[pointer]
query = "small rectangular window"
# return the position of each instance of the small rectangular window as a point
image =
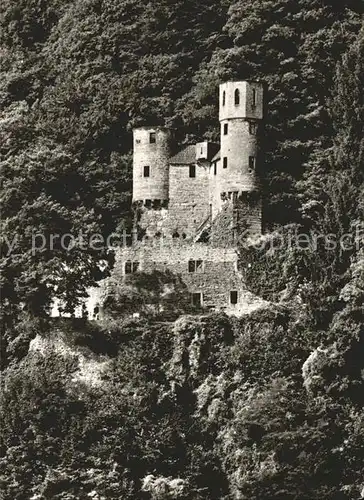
(199, 266)
(195, 266)
(225, 128)
(152, 138)
(215, 168)
(233, 297)
(224, 162)
(252, 128)
(137, 141)
(146, 171)
(131, 267)
(196, 299)
(192, 170)
(254, 101)
(251, 162)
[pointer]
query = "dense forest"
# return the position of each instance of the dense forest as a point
(189, 406)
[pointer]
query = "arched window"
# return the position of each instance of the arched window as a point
(237, 97)
(223, 98)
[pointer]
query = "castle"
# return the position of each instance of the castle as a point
(192, 205)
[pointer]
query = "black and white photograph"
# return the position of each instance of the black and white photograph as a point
(182, 250)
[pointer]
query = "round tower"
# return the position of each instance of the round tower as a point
(152, 151)
(240, 115)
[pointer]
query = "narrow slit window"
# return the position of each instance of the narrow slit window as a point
(225, 129)
(233, 297)
(152, 138)
(224, 162)
(215, 168)
(237, 97)
(223, 98)
(192, 170)
(252, 128)
(252, 162)
(146, 171)
(254, 101)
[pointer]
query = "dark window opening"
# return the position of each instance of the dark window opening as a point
(215, 168)
(224, 162)
(196, 299)
(152, 138)
(192, 170)
(252, 162)
(148, 203)
(254, 103)
(146, 171)
(131, 267)
(223, 98)
(195, 266)
(237, 97)
(201, 150)
(233, 297)
(252, 128)
(138, 141)
(175, 234)
(225, 128)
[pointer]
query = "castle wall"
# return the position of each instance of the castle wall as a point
(154, 221)
(214, 189)
(216, 278)
(189, 198)
(237, 147)
(222, 229)
(152, 148)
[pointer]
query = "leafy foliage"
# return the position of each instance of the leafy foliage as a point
(263, 407)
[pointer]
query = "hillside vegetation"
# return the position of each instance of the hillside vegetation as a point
(269, 406)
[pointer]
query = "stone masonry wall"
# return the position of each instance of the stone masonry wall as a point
(189, 199)
(215, 279)
(155, 155)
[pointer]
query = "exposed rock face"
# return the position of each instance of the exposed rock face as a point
(312, 369)
(197, 340)
(88, 370)
(163, 488)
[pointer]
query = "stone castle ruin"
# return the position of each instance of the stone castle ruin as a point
(192, 205)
